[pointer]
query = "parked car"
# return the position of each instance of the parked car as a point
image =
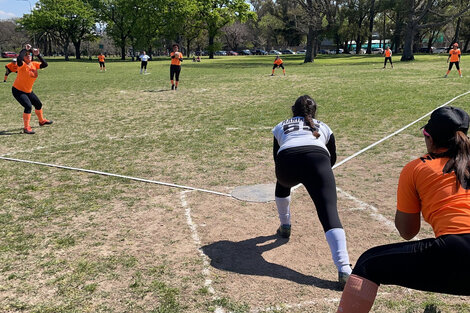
(301, 52)
(425, 50)
(8, 54)
(232, 52)
(323, 51)
(245, 52)
(377, 51)
(440, 50)
(353, 51)
(259, 52)
(220, 53)
(287, 51)
(333, 51)
(274, 52)
(200, 53)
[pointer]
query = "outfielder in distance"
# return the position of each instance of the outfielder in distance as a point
(23, 86)
(388, 57)
(304, 151)
(175, 67)
(278, 63)
(454, 57)
(11, 67)
(436, 186)
(101, 59)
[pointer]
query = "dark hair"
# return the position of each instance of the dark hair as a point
(306, 107)
(459, 159)
(175, 45)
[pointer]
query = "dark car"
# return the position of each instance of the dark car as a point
(287, 51)
(8, 54)
(425, 50)
(259, 52)
(245, 52)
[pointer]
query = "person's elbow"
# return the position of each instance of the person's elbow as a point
(407, 224)
(406, 234)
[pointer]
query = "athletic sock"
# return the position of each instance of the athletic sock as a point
(39, 115)
(26, 119)
(358, 295)
(336, 238)
(283, 209)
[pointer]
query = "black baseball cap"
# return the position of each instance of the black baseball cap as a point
(444, 122)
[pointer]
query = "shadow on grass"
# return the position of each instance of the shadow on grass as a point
(245, 257)
(155, 90)
(11, 132)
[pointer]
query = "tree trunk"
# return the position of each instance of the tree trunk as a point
(211, 46)
(457, 31)
(66, 50)
(431, 40)
(188, 47)
(77, 50)
(408, 48)
(465, 46)
(371, 26)
(358, 44)
(310, 44)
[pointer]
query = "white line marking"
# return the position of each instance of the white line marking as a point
(116, 175)
(197, 242)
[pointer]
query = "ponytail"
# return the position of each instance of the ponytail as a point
(459, 159)
(306, 107)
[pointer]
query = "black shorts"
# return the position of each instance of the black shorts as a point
(27, 100)
(143, 65)
(434, 264)
(280, 65)
(101, 64)
(310, 166)
(457, 65)
(388, 59)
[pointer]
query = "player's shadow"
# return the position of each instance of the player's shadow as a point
(11, 132)
(155, 90)
(245, 257)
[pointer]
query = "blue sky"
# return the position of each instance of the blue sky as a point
(15, 8)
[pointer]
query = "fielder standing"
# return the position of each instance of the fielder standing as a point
(454, 57)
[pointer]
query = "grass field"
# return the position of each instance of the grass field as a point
(78, 242)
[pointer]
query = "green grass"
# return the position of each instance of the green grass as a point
(71, 242)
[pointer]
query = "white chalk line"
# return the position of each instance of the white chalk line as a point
(197, 242)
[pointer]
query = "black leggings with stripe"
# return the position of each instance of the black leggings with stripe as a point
(435, 264)
(310, 166)
(27, 100)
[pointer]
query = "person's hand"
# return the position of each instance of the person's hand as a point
(27, 47)
(36, 51)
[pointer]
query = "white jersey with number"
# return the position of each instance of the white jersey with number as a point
(144, 57)
(295, 132)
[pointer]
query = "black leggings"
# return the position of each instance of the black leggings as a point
(27, 100)
(310, 166)
(388, 59)
(436, 264)
(276, 66)
(175, 71)
(143, 64)
(457, 65)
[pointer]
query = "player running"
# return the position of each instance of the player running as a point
(23, 86)
(278, 64)
(11, 67)
(304, 151)
(388, 56)
(143, 62)
(175, 67)
(101, 59)
(437, 187)
(454, 57)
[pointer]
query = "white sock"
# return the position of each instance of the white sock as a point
(336, 239)
(283, 209)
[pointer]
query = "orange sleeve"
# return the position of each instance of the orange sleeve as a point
(408, 200)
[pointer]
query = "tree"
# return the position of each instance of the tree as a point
(11, 38)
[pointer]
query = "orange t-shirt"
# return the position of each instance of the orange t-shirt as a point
(424, 188)
(176, 59)
(101, 58)
(27, 74)
(388, 53)
(13, 67)
(278, 61)
(454, 55)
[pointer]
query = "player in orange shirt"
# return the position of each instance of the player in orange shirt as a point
(175, 67)
(23, 86)
(436, 186)
(454, 57)
(388, 56)
(278, 63)
(101, 59)
(11, 67)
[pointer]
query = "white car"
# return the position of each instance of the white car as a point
(439, 50)
(377, 51)
(275, 52)
(301, 52)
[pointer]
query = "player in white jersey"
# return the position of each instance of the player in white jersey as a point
(143, 65)
(304, 151)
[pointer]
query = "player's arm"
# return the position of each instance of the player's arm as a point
(275, 148)
(43, 62)
(181, 57)
(407, 224)
(331, 146)
(173, 55)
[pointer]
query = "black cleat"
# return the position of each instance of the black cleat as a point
(45, 122)
(284, 231)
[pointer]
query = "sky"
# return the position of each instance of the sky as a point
(15, 8)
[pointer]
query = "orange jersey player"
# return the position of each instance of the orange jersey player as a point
(388, 56)
(23, 86)
(101, 59)
(278, 63)
(11, 67)
(175, 67)
(454, 57)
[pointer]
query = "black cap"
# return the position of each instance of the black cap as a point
(444, 122)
